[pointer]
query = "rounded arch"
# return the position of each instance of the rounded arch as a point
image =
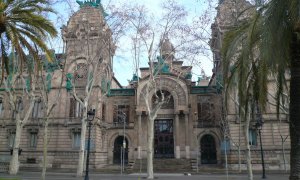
(74, 62)
(209, 147)
(115, 135)
(209, 132)
(169, 100)
(176, 87)
(120, 150)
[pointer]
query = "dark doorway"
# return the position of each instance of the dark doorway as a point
(118, 147)
(163, 139)
(208, 150)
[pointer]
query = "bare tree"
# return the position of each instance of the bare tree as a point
(283, 108)
(19, 87)
(148, 36)
(84, 99)
(85, 79)
(145, 32)
(224, 127)
(49, 99)
(90, 72)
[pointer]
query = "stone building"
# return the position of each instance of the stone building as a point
(188, 127)
(275, 131)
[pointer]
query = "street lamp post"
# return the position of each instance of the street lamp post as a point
(90, 117)
(123, 147)
(259, 127)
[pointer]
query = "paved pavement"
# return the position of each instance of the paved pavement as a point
(70, 176)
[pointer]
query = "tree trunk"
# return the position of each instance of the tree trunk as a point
(248, 150)
(150, 174)
(45, 152)
(14, 162)
(82, 144)
(294, 109)
(249, 164)
(283, 153)
(239, 146)
(226, 158)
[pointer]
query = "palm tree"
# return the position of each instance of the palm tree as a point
(23, 29)
(243, 72)
(268, 45)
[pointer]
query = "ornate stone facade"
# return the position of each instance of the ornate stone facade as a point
(188, 127)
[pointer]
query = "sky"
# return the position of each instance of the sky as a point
(123, 65)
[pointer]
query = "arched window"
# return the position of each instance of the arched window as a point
(208, 150)
(120, 150)
(168, 99)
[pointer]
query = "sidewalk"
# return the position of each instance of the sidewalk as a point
(137, 176)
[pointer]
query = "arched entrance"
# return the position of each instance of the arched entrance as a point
(208, 150)
(163, 128)
(118, 148)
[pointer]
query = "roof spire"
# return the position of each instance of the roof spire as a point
(92, 3)
(167, 50)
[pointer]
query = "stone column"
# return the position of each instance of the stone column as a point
(177, 147)
(187, 138)
(139, 135)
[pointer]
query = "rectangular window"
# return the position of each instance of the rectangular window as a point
(76, 139)
(252, 137)
(19, 107)
(103, 112)
(11, 139)
(79, 110)
(76, 108)
(204, 111)
(33, 140)
(37, 109)
(1, 106)
(121, 113)
(72, 107)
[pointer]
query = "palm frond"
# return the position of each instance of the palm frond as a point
(22, 25)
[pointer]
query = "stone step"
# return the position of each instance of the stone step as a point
(164, 165)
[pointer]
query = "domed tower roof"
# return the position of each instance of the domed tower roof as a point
(167, 49)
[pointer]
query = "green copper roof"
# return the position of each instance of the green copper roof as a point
(188, 75)
(92, 3)
(122, 92)
(161, 66)
(135, 78)
(203, 89)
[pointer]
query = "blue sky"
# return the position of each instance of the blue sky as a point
(123, 65)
